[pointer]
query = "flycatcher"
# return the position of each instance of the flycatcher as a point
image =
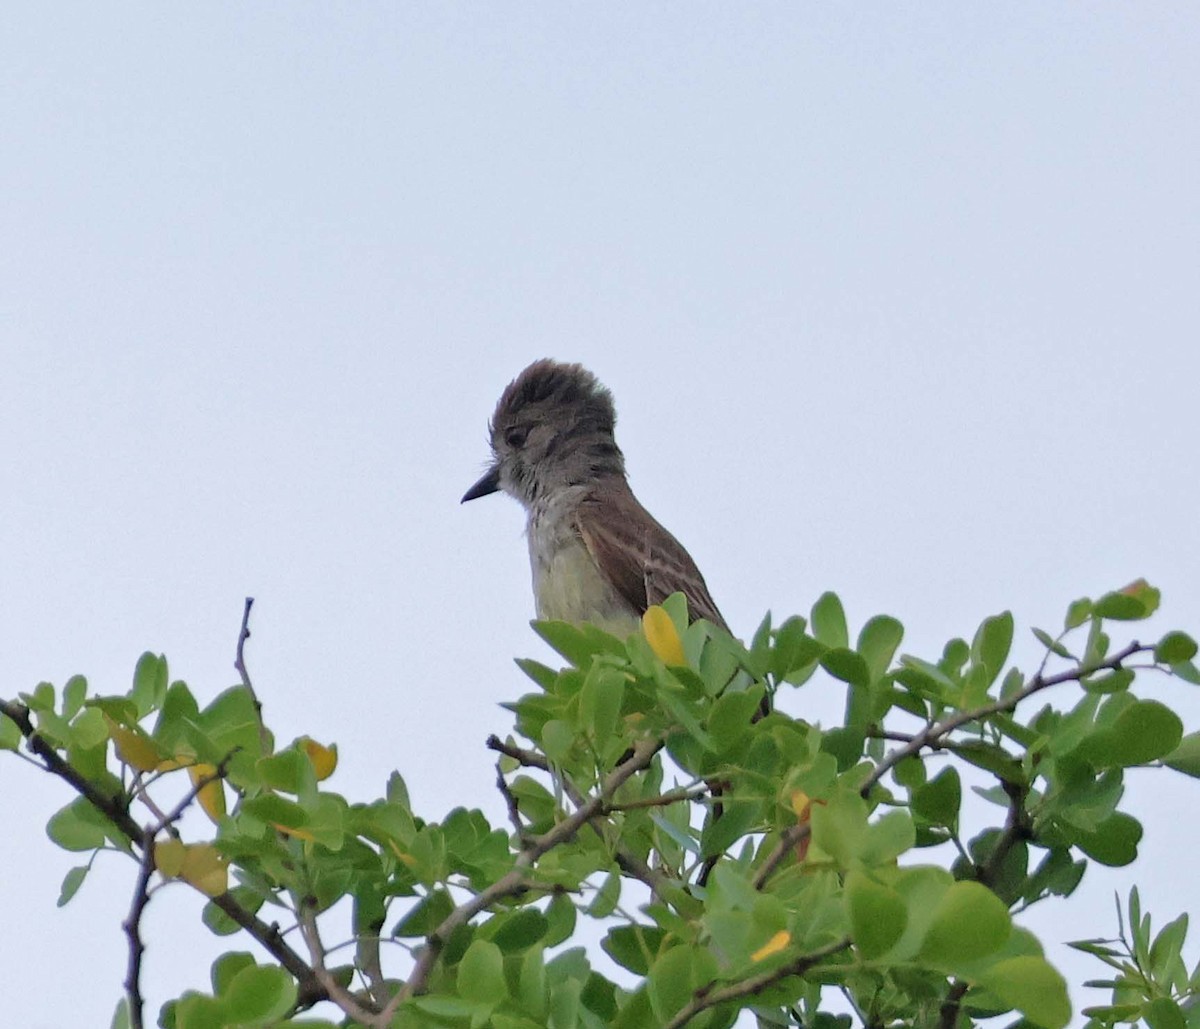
(597, 555)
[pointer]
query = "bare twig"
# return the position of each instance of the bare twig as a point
(626, 860)
(788, 839)
(1016, 829)
(713, 994)
(932, 735)
(510, 801)
(528, 758)
(133, 929)
(340, 996)
(948, 1013)
(515, 880)
(117, 813)
(239, 663)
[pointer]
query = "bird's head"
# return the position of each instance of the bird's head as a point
(552, 428)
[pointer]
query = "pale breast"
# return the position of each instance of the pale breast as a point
(567, 585)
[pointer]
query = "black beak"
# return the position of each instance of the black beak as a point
(490, 483)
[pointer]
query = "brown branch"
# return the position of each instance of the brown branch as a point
(510, 801)
(338, 994)
(515, 881)
(117, 813)
(133, 929)
(239, 663)
(932, 735)
(626, 860)
(528, 758)
(788, 839)
(948, 1013)
(1016, 828)
(713, 994)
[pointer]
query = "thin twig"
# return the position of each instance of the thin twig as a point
(510, 801)
(514, 881)
(310, 991)
(340, 996)
(933, 735)
(712, 995)
(1016, 828)
(528, 758)
(239, 663)
(788, 839)
(948, 1013)
(626, 860)
(133, 929)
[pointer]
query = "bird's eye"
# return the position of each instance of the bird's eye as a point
(515, 437)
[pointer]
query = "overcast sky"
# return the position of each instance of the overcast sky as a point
(898, 300)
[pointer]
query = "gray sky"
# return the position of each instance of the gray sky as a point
(898, 300)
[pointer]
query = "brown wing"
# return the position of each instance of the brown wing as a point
(644, 562)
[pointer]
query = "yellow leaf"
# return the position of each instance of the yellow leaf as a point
(662, 636)
(206, 869)
(134, 747)
(800, 803)
(212, 794)
(773, 946)
(291, 830)
(168, 857)
(324, 759)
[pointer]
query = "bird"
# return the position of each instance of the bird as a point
(596, 554)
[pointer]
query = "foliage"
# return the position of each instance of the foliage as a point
(786, 869)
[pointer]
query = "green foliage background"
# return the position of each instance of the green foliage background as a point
(732, 861)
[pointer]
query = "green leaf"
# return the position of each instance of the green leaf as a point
(149, 683)
(1175, 647)
(1187, 671)
(1033, 986)
(288, 771)
(1186, 757)
(481, 973)
(829, 621)
(219, 923)
(605, 901)
(1078, 612)
(848, 666)
(77, 827)
(634, 947)
(1142, 732)
(969, 923)
(227, 967)
(426, 915)
(992, 643)
(557, 740)
(878, 642)
(560, 916)
(839, 827)
(938, 801)
(519, 930)
(75, 692)
(674, 977)
(259, 994)
(1114, 843)
(793, 649)
(1136, 601)
(878, 915)
(1164, 1013)
(10, 734)
(600, 700)
(1051, 644)
(71, 883)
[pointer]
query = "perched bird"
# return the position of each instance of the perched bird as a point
(597, 555)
